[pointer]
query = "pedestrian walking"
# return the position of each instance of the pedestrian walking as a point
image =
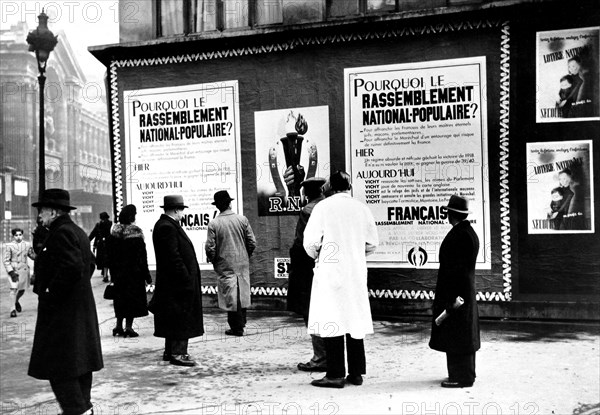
(458, 334)
(177, 300)
(301, 274)
(129, 271)
(16, 253)
(66, 344)
(339, 235)
(229, 245)
(100, 235)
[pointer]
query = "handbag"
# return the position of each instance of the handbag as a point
(109, 292)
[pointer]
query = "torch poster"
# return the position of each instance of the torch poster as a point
(292, 145)
(182, 140)
(560, 192)
(567, 75)
(415, 135)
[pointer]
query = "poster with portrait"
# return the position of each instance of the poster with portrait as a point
(182, 140)
(560, 191)
(415, 135)
(292, 145)
(567, 81)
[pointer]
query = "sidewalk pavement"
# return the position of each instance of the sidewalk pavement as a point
(522, 368)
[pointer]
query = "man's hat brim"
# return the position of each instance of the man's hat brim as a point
(49, 203)
(457, 210)
(174, 206)
(223, 201)
(313, 181)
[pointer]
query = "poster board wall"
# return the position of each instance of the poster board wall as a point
(555, 264)
(280, 80)
(277, 77)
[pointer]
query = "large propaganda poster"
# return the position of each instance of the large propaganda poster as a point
(560, 192)
(568, 87)
(415, 135)
(292, 145)
(182, 140)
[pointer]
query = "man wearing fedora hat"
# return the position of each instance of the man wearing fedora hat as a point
(229, 245)
(66, 344)
(177, 300)
(301, 273)
(458, 334)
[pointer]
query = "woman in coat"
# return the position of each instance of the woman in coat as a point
(129, 271)
(100, 235)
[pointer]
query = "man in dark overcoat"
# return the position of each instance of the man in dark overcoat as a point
(301, 273)
(458, 334)
(66, 345)
(177, 300)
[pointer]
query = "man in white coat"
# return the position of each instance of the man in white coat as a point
(340, 233)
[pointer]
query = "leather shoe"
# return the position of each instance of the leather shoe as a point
(13, 313)
(182, 360)
(166, 357)
(238, 333)
(18, 307)
(130, 333)
(355, 379)
(329, 382)
(455, 384)
(310, 367)
(118, 331)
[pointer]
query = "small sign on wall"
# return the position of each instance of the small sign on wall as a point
(282, 268)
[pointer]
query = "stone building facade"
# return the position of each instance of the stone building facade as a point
(76, 133)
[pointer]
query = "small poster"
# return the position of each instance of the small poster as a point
(560, 192)
(567, 75)
(292, 145)
(282, 267)
(182, 140)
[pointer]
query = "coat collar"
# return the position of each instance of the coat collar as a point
(177, 226)
(227, 212)
(58, 222)
(341, 194)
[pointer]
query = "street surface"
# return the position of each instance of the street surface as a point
(522, 367)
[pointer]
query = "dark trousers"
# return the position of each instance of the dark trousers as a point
(461, 367)
(73, 395)
(319, 353)
(237, 319)
(336, 362)
(176, 347)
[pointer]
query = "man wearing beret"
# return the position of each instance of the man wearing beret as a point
(177, 300)
(301, 273)
(66, 344)
(229, 245)
(458, 334)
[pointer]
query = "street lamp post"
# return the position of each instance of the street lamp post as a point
(42, 41)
